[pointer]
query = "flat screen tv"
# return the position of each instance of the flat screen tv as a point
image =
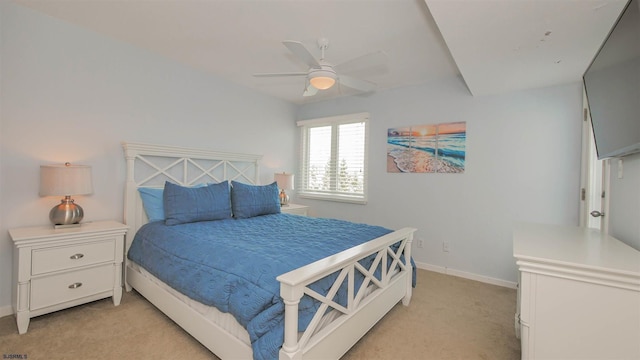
(612, 85)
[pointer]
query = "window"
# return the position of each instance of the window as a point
(334, 158)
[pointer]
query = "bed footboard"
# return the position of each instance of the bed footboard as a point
(362, 310)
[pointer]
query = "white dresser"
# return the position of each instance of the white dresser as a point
(58, 268)
(578, 295)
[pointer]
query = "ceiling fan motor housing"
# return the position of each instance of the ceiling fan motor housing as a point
(323, 78)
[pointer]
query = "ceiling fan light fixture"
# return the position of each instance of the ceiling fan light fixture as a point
(322, 79)
(322, 82)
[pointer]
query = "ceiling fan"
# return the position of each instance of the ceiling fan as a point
(322, 75)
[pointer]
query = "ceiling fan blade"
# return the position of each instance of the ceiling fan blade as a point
(375, 60)
(299, 50)
(309, 90)
(357, 84)
(279, 74)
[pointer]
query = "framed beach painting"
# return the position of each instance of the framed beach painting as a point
(432, 148)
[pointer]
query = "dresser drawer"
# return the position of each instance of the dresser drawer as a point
(69, 257)
(56, 289)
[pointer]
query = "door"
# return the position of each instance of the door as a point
(595, 180)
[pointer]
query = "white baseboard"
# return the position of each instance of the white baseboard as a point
(6, 310)
(466, 275)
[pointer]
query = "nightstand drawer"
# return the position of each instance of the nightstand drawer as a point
(68, 257)
(56, 289)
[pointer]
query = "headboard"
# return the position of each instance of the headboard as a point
(151, 165)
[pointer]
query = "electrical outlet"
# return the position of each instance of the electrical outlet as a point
(420, 243)
(445, 246)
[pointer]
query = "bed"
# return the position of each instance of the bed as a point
(360, 283)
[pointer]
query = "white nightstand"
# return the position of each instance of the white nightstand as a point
(54, 269)
(295, 209)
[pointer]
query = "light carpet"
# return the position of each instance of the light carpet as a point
(448, 318)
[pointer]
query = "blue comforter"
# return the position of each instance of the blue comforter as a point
(233, 264)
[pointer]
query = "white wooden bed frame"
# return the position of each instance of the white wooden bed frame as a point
(190, 166)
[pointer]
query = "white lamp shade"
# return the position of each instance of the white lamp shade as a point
(284, 180)
(65, 179)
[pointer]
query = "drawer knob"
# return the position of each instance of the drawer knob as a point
(75, 285)
(76, 256)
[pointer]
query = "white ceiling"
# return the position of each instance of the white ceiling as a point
(505, 45)
(496, 45)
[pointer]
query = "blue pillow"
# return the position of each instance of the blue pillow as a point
(152, 200)
(186, 205)
(253, 200)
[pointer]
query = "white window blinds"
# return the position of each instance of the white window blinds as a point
(334, 158)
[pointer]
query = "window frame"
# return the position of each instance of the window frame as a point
(334, 122)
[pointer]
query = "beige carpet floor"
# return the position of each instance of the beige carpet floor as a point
(448, 318)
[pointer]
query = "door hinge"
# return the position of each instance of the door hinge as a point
(585, 114)
(603, 194)
(583, 194)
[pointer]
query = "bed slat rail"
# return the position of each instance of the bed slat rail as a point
(295, 284)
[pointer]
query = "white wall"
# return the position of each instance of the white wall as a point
(72, 95)
(522, 164)
(1, 116)
(624, 201)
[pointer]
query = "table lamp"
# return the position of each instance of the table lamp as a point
(285, 182)
(65, 180)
